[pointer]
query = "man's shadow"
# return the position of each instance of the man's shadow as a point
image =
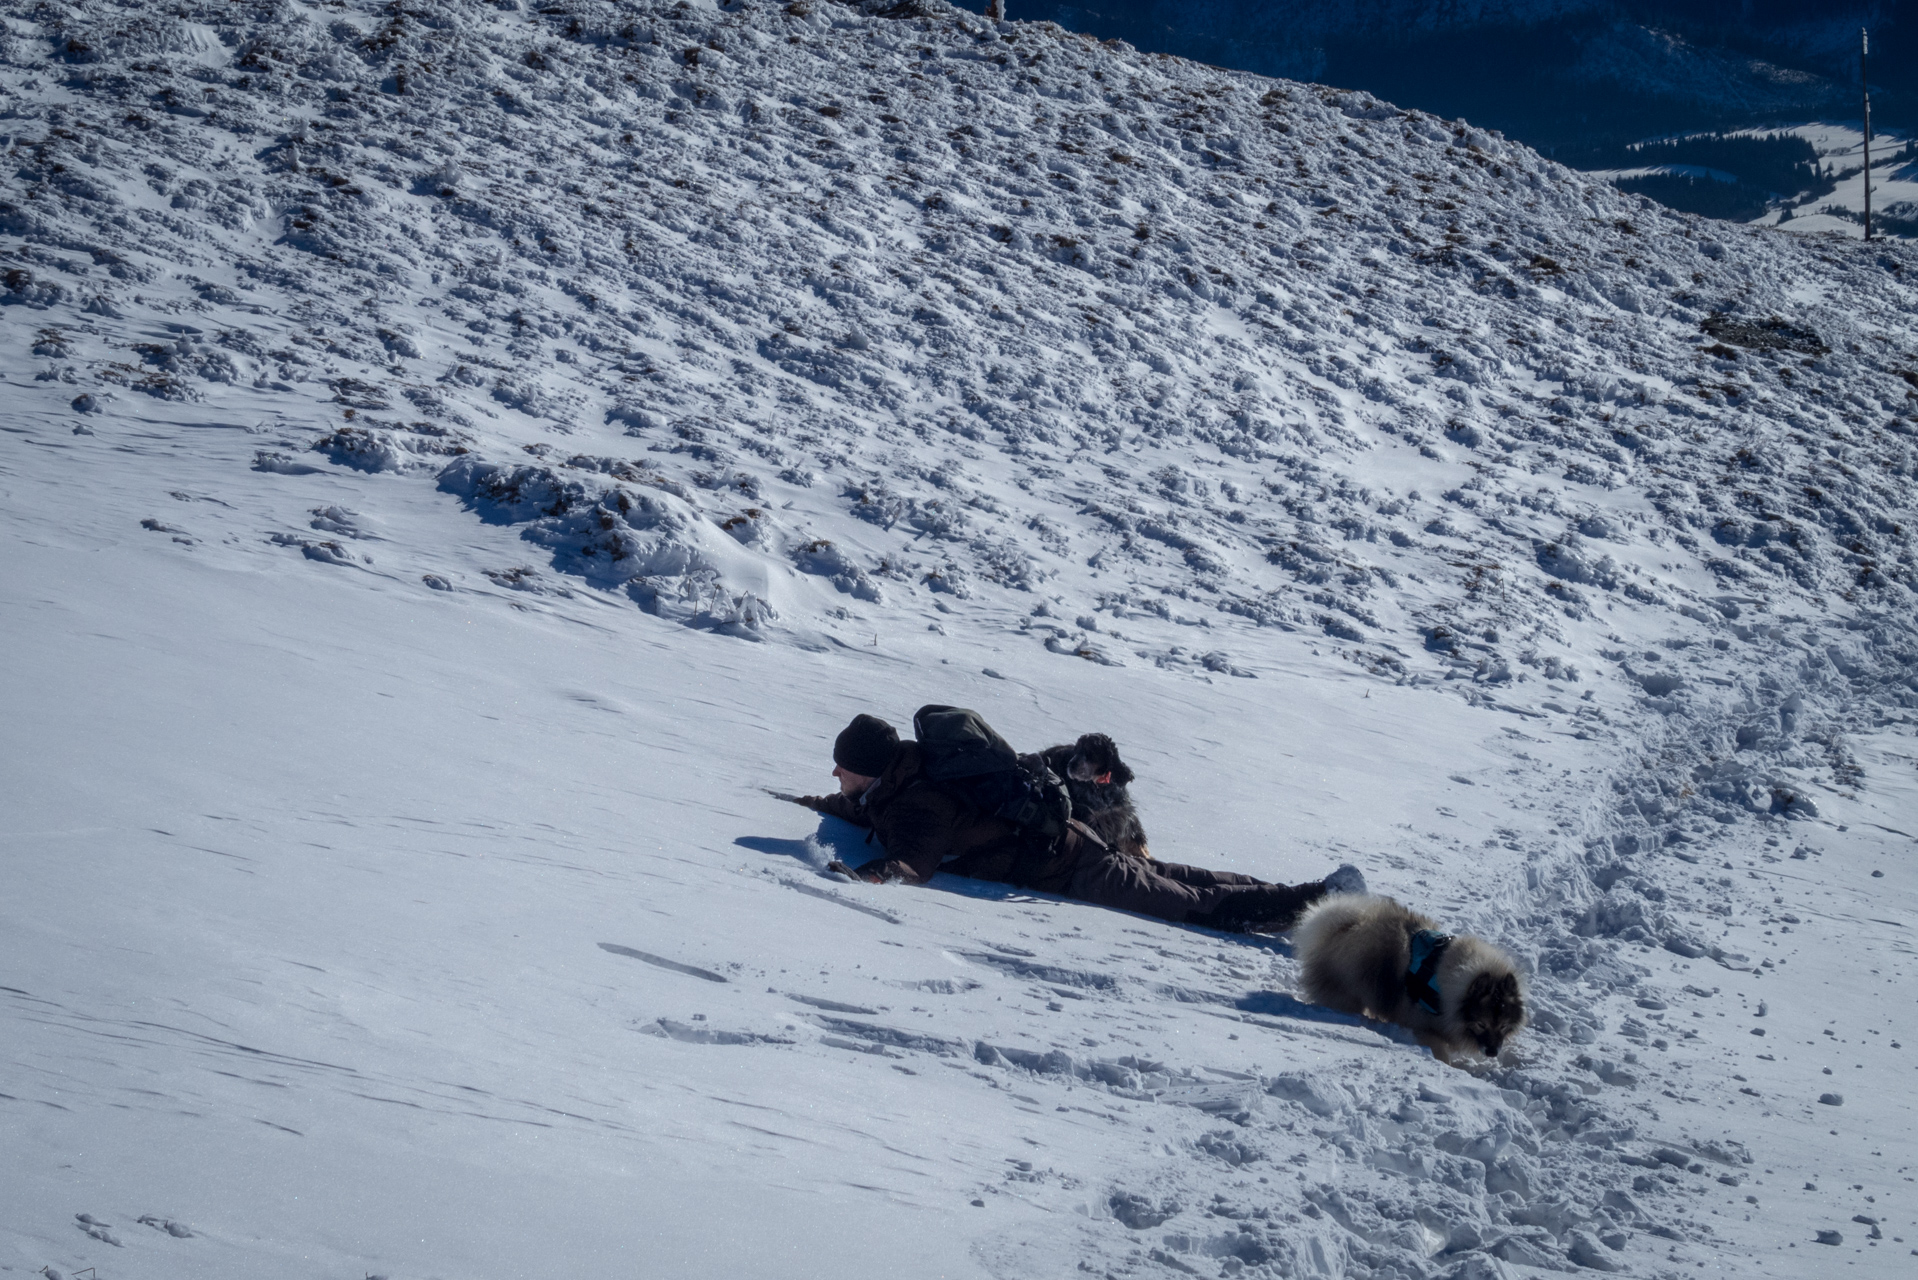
(835, 840)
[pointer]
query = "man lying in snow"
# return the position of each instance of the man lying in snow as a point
(927, 826)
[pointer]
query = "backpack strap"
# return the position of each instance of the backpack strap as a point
(1088, 835)
(1428, 948)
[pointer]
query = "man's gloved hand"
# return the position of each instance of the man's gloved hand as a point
(788, 797)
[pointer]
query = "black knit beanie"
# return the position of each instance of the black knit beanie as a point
(865, 746)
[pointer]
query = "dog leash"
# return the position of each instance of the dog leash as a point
(1428, 948)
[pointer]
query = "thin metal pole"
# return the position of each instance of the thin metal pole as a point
(1864, 85)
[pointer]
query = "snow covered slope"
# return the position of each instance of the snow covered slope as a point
(457, 455)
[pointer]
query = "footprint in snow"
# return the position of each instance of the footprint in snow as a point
(337, 519)
(175, 1229)
(668, 1029)
(96, 1228)
(834, 1006)
(279, 464)
(942, 986)
(326, 552)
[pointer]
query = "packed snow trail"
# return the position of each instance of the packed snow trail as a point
(402, 398)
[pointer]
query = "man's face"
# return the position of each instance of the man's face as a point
(850, 783)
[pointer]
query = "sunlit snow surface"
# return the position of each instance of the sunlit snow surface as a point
(456, 457)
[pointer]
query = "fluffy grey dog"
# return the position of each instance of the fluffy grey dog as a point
(1368, 955)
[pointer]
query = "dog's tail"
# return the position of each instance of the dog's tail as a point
(1318, 941)
(1327, 918)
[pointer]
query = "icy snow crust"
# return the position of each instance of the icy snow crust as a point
(457, 454)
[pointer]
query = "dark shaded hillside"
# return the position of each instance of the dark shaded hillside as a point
(1557, 74)
(1745, 174)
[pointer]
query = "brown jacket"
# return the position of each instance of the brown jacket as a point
(921, 826)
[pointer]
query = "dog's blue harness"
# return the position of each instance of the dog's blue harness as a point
(1428, 948)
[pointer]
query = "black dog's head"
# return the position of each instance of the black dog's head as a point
(1095, 758)
(1492, 1011)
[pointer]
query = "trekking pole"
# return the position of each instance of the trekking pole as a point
(1864, 86)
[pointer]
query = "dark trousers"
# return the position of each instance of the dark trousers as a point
(1185, 895)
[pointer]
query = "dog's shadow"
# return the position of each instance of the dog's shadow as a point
(1278, 1004)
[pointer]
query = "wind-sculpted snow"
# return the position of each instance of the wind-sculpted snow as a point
(1094, 346)
(793, 324)
(1184, 312)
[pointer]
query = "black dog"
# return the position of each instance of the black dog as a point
(1096, 779)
